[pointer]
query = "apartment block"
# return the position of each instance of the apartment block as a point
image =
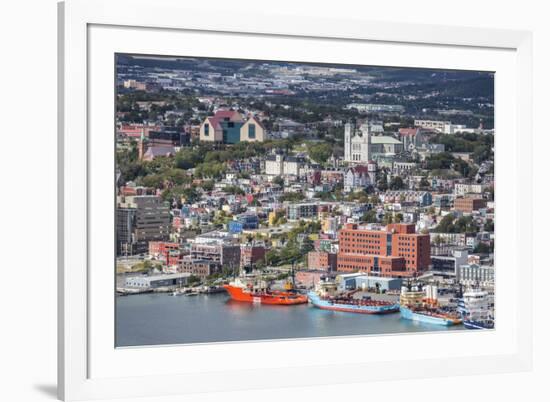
(299, 211)
(223, 254)
(200, 268)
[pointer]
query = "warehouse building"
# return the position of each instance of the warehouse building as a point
(157, 281)
(364, 282)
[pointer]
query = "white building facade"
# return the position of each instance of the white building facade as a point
(357, 143)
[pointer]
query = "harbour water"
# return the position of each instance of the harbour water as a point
(163, 319)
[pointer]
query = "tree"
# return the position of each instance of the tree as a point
(482, 153)
(445, 225)
(207, 185)
(424, 184)
(235, 190)
(193, 280)
(370, 216)
(189, 194)
(188, 158)
(307, 246)
(438, 240)
(176, 176)
(374, 199)
(382, 182)
(396, 183)
(319, 152)
(442, 160)
(152, 180)
(272, 257)
(219, 156)
(463, 167)
(291, 197)
(210, 170)
(483, 248)
(464, 224)
(278, 180)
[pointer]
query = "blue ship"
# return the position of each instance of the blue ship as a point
(418, 304)
(428, 317)
(350, 305)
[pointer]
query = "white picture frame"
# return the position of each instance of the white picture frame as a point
(88, 367)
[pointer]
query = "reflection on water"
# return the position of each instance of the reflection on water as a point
(160, 319)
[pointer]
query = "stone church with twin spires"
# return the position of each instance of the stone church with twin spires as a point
(361, 147)
(357, 143)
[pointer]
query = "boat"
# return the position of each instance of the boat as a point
(429, 316)
(327, 297)
(421, 306)
(258, 292)
(213, 289)
(475, 311)
(479, 324)
(179, 291)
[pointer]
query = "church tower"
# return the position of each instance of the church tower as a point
(366, 143)
(348, 128)
(141, 145)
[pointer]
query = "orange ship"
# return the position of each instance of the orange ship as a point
(240, 291)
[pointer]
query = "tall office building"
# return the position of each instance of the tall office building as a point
(141, 219)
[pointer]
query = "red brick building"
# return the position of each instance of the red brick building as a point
(321, 260)
(174, 258)
(136, 130)
(250, 254)
(469, 204)
(160, 248)
(397, 251)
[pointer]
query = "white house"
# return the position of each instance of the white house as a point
(358, 177)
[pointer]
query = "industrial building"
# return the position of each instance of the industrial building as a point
(364, 282)
(449, 265)
(156, 281)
